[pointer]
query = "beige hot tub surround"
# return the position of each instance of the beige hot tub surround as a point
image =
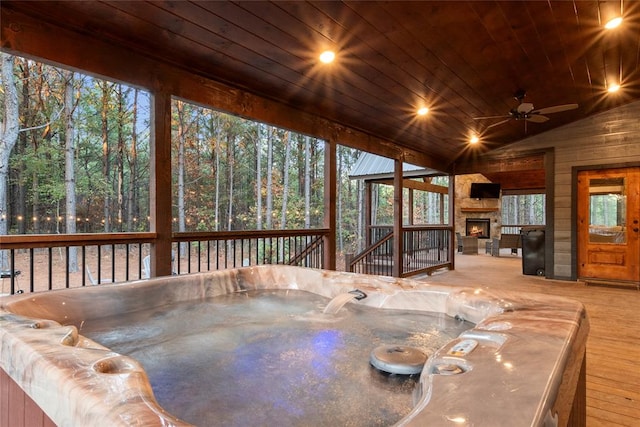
(527, 369)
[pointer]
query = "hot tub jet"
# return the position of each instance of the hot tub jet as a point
(340, 300)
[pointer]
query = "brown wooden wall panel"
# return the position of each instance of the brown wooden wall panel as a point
(4, 399)
(17, 409)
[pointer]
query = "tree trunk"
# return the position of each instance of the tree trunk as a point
(35, 203)
(181, 172)
(8, 137)
(230, 164)
(269, 212)
(285, 183)
(259, 178)
(307, 183)
(105, 155)
(132, 196)
(217, 195)
(69, 167)
(21, 148)
(120, 162)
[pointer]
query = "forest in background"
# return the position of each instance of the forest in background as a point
(77, 151)
(79, 162)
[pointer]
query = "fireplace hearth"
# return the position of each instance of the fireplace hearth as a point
(478, 227)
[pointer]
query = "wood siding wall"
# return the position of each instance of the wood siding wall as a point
(610, 138)
(17, 409)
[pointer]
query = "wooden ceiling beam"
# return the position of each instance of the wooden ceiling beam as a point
(494, 164)
(415, 185)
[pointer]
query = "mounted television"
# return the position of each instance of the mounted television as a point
(484, 190)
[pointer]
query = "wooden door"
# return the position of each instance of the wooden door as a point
(608, 235)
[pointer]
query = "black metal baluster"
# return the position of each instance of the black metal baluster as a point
(84, 265)
(66, 270)
(50, 268)
(31, 269)
(113, 262)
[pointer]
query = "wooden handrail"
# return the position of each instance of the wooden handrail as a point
(34, 244)
(245, 234)
(425, 249)
(307, 250)
(369, 250)
(28, 241)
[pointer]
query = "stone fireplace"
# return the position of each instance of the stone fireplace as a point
(479, 227)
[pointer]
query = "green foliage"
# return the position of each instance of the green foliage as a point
(216, 181)
(37, 163)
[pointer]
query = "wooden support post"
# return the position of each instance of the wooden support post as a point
(368, 214)
(330, 188)
(160, 183)
(453, 245)
(410, 207)
(397, 219)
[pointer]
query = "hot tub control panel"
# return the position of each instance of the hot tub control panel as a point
(463, 348)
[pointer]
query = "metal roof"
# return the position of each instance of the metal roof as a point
(371, 167)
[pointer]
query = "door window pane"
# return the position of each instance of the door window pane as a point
(607, 210)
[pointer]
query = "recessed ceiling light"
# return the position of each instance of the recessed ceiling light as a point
(474, 139)
(610, 12)
(423, 111)
(327, 56)
(613, 87)
(613, 23)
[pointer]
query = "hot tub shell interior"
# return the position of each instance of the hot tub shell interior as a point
(526, 369)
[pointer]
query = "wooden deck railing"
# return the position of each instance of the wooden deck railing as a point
(425, 249)
(220, 250)
(46, 262)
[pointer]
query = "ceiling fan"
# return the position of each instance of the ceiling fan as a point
(525, 111)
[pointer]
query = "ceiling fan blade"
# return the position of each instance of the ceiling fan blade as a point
(492, 117)
(525, 107)
(537, 118)
(556, 109)
(497, 123)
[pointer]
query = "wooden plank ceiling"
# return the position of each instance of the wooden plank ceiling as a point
(462, 59)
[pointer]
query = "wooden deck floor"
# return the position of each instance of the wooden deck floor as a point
(613, 347)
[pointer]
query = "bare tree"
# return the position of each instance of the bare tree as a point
(106, 166)
(182, 131)
(120, 161)
(8, 137)
(231, 148)
(218, 138)
(307, 183)
(285, 183)
(269, 179)
(132, 195)
(69, 167)
(259, 178)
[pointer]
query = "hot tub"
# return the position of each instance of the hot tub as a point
(519, 360)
